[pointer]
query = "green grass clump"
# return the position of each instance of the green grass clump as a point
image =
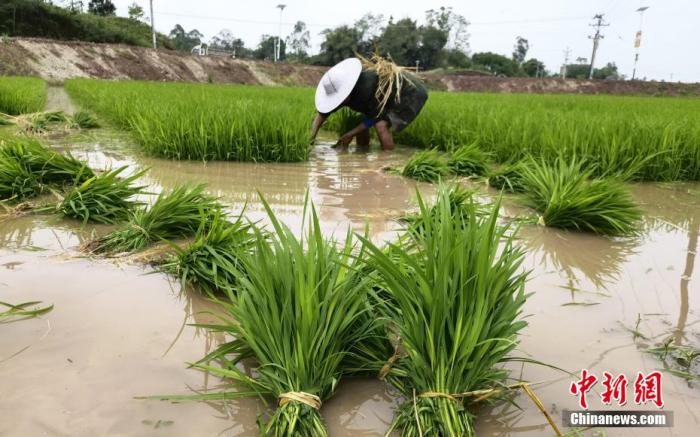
(211, 262)
(205, 122)
(177, 214)
(468, 160)
(27, 167)
(456, 291)
(84, 120)
(569, 197)
(21, 95)
(105, 198)
(426, 166)
(507, 178)
(657, 137)
(298, 316)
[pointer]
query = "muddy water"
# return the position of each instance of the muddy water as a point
(117, 333)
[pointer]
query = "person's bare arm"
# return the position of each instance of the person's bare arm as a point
(316, 125)
(347, 138)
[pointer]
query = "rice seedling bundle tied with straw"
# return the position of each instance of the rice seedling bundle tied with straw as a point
(27, 168)
(569, 197)
(455, 291)
(177, 214)
(211, 262)
(105, 198)
(426, 166)
(299, 310)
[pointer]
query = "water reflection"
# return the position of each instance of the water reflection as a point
(598, 259)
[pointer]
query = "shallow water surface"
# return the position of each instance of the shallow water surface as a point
(119, 331)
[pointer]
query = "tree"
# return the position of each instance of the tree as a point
(534, 68)
(298, 41)
(339, 43)
(453, 24)
(432, 43)
(495, 63)
(135, 12)
(370, 28)
(183, 40)
(266, 48)
(226, 41)
(608, 72)
(520, 50)
(457, 58)
(102, 7)
(401, 41)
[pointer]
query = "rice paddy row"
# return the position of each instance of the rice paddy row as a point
(638, 138)
(205, 122)
(20, 95)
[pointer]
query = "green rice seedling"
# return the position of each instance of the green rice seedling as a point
(298, 316)
(205, 121)
(507, 178)
(83, 120)
(51, 167)
(21, 95)
(39, 122)
(210, 263)
(105, 198)
(457, 292)
(22, 311)
(655, 139)
(460, 202)
(177, 214)
(426, 166)
(17, 181)
(568, 198)
(468, 160)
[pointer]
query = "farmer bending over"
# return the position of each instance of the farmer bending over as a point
(387, 96)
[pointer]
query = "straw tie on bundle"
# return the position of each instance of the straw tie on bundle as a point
(309, 399)
(391, 77)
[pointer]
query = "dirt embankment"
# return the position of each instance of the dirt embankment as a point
(56, 61)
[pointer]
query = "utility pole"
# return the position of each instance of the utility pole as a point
(638, 39)
(596, 39)
(279, 34)
(567, 53)
(153, 26)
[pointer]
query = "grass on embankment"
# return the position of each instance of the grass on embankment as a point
(20, 95)
(205, 122)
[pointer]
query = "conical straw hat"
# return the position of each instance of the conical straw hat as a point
(337, 84)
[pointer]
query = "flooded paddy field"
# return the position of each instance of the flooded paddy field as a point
(119, 331)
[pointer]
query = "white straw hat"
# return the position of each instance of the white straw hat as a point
(337, 84)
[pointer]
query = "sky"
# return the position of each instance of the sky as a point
(669, 41)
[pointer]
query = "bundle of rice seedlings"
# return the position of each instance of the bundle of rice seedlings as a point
(210, 263)
(106, 198)
(177, 214)
(298, 315)
(40, 121)
(507, 178)
(468, 160)
(83, 120)
(460, 202)
(47, 165)
(17, 182)
(568, 198)
(457, 292)
(426, 166)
